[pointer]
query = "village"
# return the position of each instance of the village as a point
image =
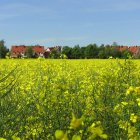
(20, 51)
(38, 51)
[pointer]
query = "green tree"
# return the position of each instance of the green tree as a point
(115, 53)
(8, 54)
(67, 51)
(82, 52)
(126, 54)
(101, 51)
(91, 51)
(3, 49)
(114, 44)
(29, 52)
(54, 54)
(76, 52)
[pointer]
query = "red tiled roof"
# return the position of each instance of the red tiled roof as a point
(18, 49)
(134, 49)
(38, 49)
(122, 48)
(22, 49)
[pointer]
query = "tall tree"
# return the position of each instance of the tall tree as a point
(76, 53)
(91, 51)
(67, 51)
(3, 49)
(114, 44)
(126, 54)
(101, 53)
(29, 52)
(82, 52)
(54, 54)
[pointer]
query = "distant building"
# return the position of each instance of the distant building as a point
(50, 49)
(20, 51)
(134, 49)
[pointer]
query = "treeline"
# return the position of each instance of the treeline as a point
(94, 51)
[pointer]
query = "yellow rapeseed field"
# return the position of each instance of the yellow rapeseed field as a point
(69, 99)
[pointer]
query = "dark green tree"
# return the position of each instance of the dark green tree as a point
(54, 54)
(126, 54)
(82, 52)
(115, 53)
(101, 52)
(76, 52)
(67, 51)
(3, 49)
(114, 44)
(91, 51)
(29, 52)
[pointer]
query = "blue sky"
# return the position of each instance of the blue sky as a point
(69, 22)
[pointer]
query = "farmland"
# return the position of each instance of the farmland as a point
(69, 99)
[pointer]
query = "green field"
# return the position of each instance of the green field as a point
(69, 99)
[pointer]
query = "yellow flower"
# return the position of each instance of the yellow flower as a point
(131, 131)
(133, 118)
(75, 123)
(76, 137)
(130, 90)
(59, 134)
(15, 138)
(124, 103)
(2, 139)
(138, 100)
(123, 125)
(137, 89)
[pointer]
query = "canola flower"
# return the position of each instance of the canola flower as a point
(75, 122)
(133, 118)
(37, 98)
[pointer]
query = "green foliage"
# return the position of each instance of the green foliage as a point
(67, 51)
(126, 54)
(29, 52)
(3, 49)
(63, 56)
(54, 54)
(91, 51)
(76, 53)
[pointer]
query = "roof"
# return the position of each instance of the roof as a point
(134, 49)
(18, 49)
(23, 48)
(38, 49)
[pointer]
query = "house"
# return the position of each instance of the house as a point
(39, 50)
(49, 50)
(122, 48)
(20, 51)
(134, 49)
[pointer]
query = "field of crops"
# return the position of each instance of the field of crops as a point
(69, 99)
